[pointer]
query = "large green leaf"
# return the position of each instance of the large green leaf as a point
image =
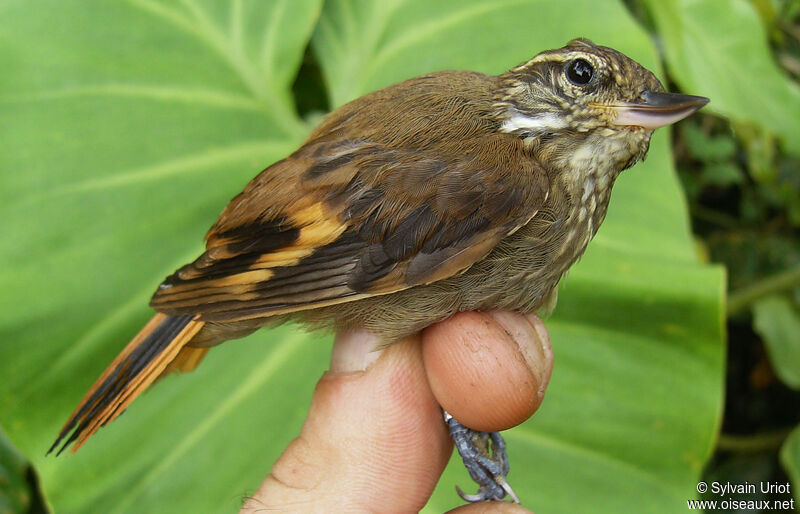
(127, 126)
(631, 412)
(718, 48)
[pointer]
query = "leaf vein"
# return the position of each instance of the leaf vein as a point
(209, 97)
(162, 170)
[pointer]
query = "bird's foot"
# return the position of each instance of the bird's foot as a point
(487, 464)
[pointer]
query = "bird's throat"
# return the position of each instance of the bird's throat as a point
(586, 168)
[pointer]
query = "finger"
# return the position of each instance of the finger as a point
(488, 370)
(491, 508)
(373, 437)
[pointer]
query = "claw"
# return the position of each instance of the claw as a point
(472, 498)
(502, 482)
(487, 467)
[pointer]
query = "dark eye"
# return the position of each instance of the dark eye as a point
(579, 72)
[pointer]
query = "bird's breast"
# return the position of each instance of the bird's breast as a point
(527, 266)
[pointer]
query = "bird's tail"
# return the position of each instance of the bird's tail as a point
(159, 348)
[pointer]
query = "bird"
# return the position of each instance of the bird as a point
(452, 191)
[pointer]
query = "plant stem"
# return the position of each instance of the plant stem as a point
(713, 216)
(752, 443)
(744, 297)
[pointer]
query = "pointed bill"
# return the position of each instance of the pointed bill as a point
(656, 109)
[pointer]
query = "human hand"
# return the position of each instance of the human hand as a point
(375, 439)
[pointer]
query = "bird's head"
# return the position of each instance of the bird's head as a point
(590, 100)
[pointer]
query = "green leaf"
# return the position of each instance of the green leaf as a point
(705, 147)
(760, 147)
(15, 493)
(778, 324)
(128, 125)
(722, 174)
(790, 459)
(638, 336)
(718, 49)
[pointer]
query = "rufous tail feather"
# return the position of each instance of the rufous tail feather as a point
(160, 347)
(186, 360)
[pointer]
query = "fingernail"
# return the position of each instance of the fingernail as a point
(354, 351)
(531, 336)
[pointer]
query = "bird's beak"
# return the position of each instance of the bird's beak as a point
(656, 109)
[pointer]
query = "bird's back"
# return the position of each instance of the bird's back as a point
(412, 114)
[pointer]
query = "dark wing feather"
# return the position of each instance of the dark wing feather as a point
(341, 220)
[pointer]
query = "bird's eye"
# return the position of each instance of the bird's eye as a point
(579, 72)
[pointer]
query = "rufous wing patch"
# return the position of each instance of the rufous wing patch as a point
(232, 278)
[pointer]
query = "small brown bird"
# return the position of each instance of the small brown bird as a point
(448, 192)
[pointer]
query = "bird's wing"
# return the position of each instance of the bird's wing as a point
(340, 220)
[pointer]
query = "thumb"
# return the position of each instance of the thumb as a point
(374, 436)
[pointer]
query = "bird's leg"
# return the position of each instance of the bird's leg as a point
(487, 466)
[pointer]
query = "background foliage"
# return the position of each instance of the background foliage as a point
(741, 173)
(127, 125)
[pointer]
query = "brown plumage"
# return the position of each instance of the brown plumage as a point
(448, 192)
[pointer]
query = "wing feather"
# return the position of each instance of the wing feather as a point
(340, 220)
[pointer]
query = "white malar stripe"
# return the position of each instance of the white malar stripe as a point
(539, 123)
